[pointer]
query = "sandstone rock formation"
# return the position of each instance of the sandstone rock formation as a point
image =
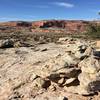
(56, 26)
(50, 71)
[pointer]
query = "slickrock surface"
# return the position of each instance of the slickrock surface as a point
(66, 70)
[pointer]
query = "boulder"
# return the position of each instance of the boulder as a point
(96, 54)
(79, 55)
(63, 63)
(89, 84)
(7, 43)
(41, 83)
(90, 65)
(90, 76)
(83, 51)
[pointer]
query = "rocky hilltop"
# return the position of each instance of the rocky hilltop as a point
(66, 70)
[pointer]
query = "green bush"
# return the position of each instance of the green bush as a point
(93, 31)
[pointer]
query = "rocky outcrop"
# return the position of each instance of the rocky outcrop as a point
(6, 43)
(89, 78)
(57, 26)
(70, 26)
(53, 70)
(16, 24)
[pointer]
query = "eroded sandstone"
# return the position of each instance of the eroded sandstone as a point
(53, 70)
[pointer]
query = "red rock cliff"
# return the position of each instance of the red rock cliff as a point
(67, 25)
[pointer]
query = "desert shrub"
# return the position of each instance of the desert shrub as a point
(18, 32)
(93, 31)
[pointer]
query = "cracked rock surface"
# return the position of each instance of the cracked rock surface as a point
(66, 70)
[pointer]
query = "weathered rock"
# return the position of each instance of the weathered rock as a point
(54, 70)
(41, 83)
(53, 65)
(7, 44)
(98, 43)
(52, 88)
(96, 54)
(61, 81)
(80, 55)
(68, 81)
(63, 39)
(66, 40)
(17, 44)
(88, 51)
(82, 48)
(89, 84)
(90, 65)
(80, 52)
(62, 98)
(90, 77)
(15, 96)
(69, 73)
(33, 77)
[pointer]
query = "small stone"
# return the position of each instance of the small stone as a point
(63, 39)
(38, 82)
(41, 83)
(68, 81)
(46, 84)
(61, 81)
(52, 88)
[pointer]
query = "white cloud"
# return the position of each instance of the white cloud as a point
(64, 4)
(49, 5)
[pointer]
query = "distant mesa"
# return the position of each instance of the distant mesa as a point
(55, 25)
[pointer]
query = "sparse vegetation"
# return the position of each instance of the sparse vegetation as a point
(93, 31)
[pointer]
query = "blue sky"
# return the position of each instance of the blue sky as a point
(31, 10)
